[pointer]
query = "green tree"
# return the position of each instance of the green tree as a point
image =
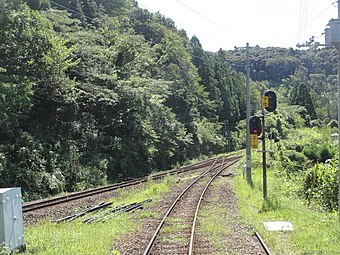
(300, 95)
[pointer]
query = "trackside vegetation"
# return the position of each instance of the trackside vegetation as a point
(302, 189)
(48, 238)
(94, 92)
(98, 91)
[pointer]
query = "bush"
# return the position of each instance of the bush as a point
(311, 153)
(326, 152)
(299, 148)
(296, 156)
(324, 191)
(319, 153)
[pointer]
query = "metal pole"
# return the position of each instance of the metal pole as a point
(338, 9)
(337, 46)
(264, 159)
(248, 150)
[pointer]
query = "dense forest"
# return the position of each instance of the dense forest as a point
(96, 91)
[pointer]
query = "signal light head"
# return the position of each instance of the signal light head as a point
(271, 101)
(255, 125)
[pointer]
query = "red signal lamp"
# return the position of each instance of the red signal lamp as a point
(255, 126)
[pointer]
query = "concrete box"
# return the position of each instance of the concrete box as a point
(11, 220)
(334, 35)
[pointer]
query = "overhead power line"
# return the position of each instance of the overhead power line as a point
(203, 16)
(310, 22)
(303, 19)
(66, 8)
(186, 27)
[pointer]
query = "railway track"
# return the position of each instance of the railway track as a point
(28, 207)
(264, 246)
(184, 211)
(181, 209)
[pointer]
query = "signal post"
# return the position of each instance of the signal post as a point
(257, 127)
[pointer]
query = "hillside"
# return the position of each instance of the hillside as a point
(302, 77)
(97, 91)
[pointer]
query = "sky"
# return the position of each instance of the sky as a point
(229, 23)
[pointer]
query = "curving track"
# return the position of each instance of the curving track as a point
(184, 210)
(32, 206)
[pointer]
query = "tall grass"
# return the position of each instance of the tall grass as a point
(76, 238)
(314, 232)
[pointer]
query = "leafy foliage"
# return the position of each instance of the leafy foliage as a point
(305, 78)
(98, 91)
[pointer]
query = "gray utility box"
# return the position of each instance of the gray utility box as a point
(332, 33)
(11, 221)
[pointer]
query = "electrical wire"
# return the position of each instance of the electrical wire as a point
(302, 19)
(71, 10)
(187, 27)
(307, 24)
(201, 15)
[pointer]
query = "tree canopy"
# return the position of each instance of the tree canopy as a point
(96, 91)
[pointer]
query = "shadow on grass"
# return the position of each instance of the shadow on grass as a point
(270, 204)
(251, 184)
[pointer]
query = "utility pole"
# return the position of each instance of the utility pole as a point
(248, 138)
(337, 46)
(248, 150)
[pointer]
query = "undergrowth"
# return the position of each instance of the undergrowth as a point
(48, 238)
(316, 230)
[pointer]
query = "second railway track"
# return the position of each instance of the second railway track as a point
(32, 206)
(179, 236)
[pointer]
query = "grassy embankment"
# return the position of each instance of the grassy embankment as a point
(315, 232)
(48, 238)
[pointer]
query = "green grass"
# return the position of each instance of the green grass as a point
(314, 232)
(172, 226)
(76, 238)
(213, 220)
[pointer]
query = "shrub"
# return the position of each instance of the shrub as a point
(296, 156)
(311, 153)
(326, 152)
(324, 191)
(319, 153)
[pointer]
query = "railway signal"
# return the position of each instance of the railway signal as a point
(255, 126)
(269, 101)
(268, 104)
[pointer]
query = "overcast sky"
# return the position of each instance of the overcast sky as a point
(228, 23)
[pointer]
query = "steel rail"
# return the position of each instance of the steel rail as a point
(87, 193)
(192, 237)
(75, 196)
(157, 231)
(264, 246)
